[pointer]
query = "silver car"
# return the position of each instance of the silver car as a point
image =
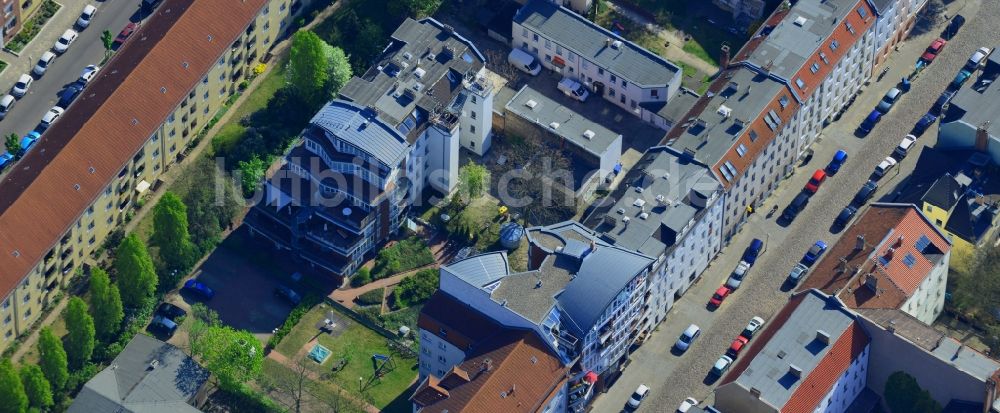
(21, 87)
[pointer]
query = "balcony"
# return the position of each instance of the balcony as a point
(66, 253)
(67, 268)
(124, 204)
(50, 272)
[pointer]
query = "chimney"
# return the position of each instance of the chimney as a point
(860, 244)
(871, 282)
(487, 365)
(724, 59)
(823, 337)
(899, 242)
(888, 254)
(795, 371)
(982, 136)
(892, 326)
(607, 42)
(755, 392)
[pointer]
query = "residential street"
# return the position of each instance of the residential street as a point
(673, 378)
(88, 48)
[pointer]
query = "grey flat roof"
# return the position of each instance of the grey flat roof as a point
(795, 343)
(674, 110)
(978, 101)
(572, 125)
(362, 128)
(631, 62)
(532, 294)
(481, 270)
(965, 359)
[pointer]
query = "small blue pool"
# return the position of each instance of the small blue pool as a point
(319, 353)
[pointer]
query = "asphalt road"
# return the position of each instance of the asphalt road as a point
(112, 15)
(671, 378)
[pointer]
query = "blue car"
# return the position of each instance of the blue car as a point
(28, 141)
(814, 253)
(838, 160)
(196, 288)
(869, 123)
(753, 251)
(5, 159)
(925, 122)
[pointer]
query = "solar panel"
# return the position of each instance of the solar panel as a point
(922, 243)
(909, 260)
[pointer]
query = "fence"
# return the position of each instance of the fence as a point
(405, 349)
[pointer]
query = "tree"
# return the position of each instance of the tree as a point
(417, 9)
(233, 356)
(52, 359)
(12, 396)
(307, 67)
(339, 68)
(212, 202)
(135, 275)
(37, 387)
(417, 288)
(292, 383)
(109, 42)
(13, 144)
(105, 304)
(170, 233)
(80, 332)
(473, 180)
(251, 173)
(904, 395)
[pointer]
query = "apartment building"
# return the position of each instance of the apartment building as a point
(965, 208)
(15, 13)
(891, 257)
(895, 20)
(585, 298)
(669, 207)
(625, 74)
(449, 329)
(80, 182)
(429, 84)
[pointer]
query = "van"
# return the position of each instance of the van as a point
(6, 102)
(797, 205)
(573, 89)
(524, 62)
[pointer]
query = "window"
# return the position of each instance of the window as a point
(524, 45)
(862, 12)
(850, 28)
(6, 304)
(834, 45)
(822, 56)
(611, 92)
(741, 150)
(7, 320)
(559, 50)
(800, 83)
(614, 78)
(524, 32)
(600, 71)
(753, 136)
(783, 101)
(206, 95)
(548, 44)
(534, 37)
(814, 68)
(441, 346)
(283, 6)
(441, 359)
(654, 93)
(624, 84)
(472, 144)
(472, 128)
(472, 114)
(473, 98)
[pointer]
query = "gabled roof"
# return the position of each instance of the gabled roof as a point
(971, 218)
(131, 97)
(944, 193)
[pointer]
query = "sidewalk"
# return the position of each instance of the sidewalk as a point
(22, 63)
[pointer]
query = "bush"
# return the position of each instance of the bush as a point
(79, 377)
(373, 297)
(415, 289)
(404, 255)
(362, 277)
(300, 310)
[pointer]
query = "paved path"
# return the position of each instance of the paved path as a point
(347, 296)
(29, 342)
(280, 358)
(676, 49)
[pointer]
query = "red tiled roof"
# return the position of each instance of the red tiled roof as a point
(760, 339)
(113, 119)
(464, 326)
(817, 384)
(844, 38)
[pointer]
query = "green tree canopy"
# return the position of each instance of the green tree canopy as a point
(251, 173)
(904, 395)
(135, 274)
(170, 233)
(80, 332)
(340, 69)
(316, 70)
(212, 202)
(233, 356)
(12, 396)
(52, 359)
(417, 288)
(36, 386)
(13, 144)
(473, 180)
(108, 39)
(105, 304)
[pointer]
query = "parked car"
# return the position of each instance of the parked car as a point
(925, 122)
(163, 325)
(688, 337)
(287, 294)
(196, 288)
(88, 74)
(573, 89)
(721, 366)
(69, 94)
(977, 58)
(845, 216)
(869, 123)
(6, 104)
(797, 205)
(753, 251)
(798, 271)
(687, 404)
(865, 193)
(524, 61)
(959, 80)
(62, 44)
(888, 100)
(883, 167)
(752, 327)
(125, 33)
(51, 117)
(737, 345)
(43, 63)
(170, 311)
(21, 86)
(86, 16)
(814, 253)
(838, 161)
(933, 50)
(28, 141)
(640, 393)
(942, 101)
(904, 147)
(953, 26)
(719, 296)
(736, 278)
(815, 181)
(5, 159)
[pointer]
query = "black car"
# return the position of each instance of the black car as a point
(865, 193)
(925, 122)
(288, 294)
(163, 326)
(845, 216)
(170, 311)
(942, 101)
(69, 94)
(953, 26)
(797, 205)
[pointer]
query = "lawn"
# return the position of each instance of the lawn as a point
(357, 344)
(689, 17)
(402, 256)
(321, 397)
(232, 131)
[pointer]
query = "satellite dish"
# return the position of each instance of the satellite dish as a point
(346, 212)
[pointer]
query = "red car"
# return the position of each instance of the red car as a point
(935, 48)
(125, 33)
(719, 296)
(738, 344)
(817, 179)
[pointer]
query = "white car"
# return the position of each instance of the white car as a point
(755, 324)
(21, 87)
(86, 17)
(67, 38)
(687, 404)
(89, 73)
(797, 273)
(640, 393)
(6, 103)
(977, 58)
(905, 145)
(687, 337)
(721, 366)
(43, 63)
(884, 166)
(51, 116)
(736, 278)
